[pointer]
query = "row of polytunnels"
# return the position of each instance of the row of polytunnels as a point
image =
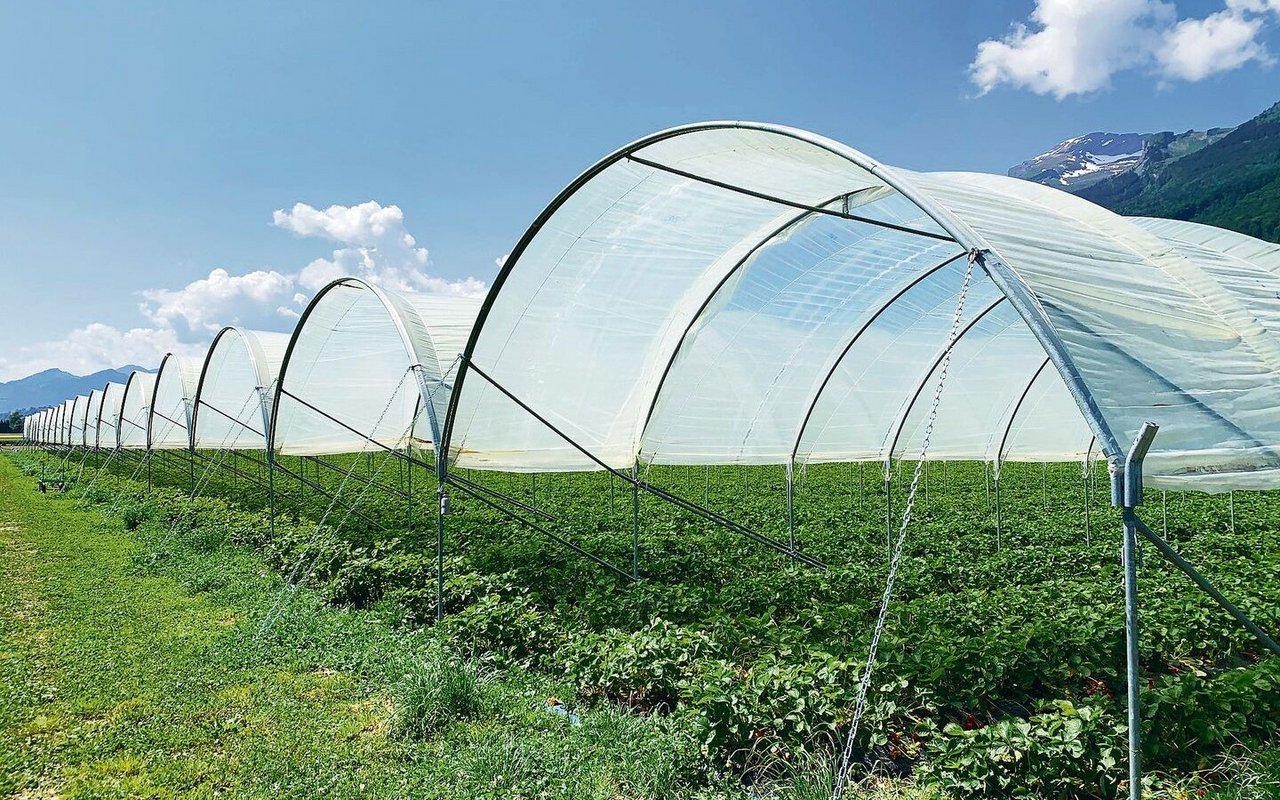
(746, 294)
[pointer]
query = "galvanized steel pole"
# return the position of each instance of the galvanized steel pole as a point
(1126, 494)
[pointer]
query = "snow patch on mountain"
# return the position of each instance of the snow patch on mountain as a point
(1084, 161)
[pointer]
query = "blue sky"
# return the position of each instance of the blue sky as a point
(148, 145)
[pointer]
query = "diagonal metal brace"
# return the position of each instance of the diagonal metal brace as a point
(1206, 587)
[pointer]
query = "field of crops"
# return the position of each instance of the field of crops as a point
(1001, 669)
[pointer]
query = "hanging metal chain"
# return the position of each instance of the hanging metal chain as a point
(842, 774)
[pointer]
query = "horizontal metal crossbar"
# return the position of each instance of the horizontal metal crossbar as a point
(791, 203)
(674, 499)
(540, 529)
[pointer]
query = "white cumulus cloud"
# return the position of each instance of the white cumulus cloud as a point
(1072, 47)
(372, 244)
(204, 306)
(1197, 48)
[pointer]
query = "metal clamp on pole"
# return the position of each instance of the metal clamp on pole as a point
(1126, 494)
(1133, 465)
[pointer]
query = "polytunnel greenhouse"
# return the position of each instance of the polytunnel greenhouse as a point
(79, 413)
(360, 363)
(169, 419)
(746, 295)
(135, 410)
(232, 400)
(89, 419)
(752, 294)
(108, 423)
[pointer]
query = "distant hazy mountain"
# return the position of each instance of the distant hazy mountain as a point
(54, 385)
(1224, 176)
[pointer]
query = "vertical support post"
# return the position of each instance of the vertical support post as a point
(1126, 494)
(148, 472)
(888, 506)
(791, 505)
(271, 491)
(1129, 557)
(192, 455)
(635, 520)
(995, 472)
(442, 511)
(1084, 476)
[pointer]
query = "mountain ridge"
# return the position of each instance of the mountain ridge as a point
(1228, 176)
(51, 386)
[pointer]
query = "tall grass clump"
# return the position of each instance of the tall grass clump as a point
(436, 689)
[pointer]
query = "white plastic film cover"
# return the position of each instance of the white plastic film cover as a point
(75, 421)
(108, 426)
(1171, 333)
(65, 421)
(135, 408)
(89, 421)
(349, 377)
(233, 396)
(169, 419)
(733, 293)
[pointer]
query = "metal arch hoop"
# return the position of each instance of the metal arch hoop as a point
(155, 389)
(193, 413)
(711, 295)
(1016, 408)
(415, 360)
(904, 413)
(1008, 281)
(256, 358)
(835, 366)
(124, 399)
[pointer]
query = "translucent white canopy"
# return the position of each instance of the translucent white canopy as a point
(75, 420)
(89, 421)
(1230, 243)
(743, 293)
(232, 401)
(135, 407)
(359, 364)
(65, 418)
(106, 430)
(169, 420)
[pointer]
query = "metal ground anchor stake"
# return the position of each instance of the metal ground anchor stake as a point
(1126, 494)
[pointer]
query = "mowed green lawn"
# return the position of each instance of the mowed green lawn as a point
(197, 677)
